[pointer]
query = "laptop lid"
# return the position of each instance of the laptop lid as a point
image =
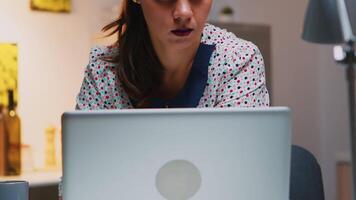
(177, 154)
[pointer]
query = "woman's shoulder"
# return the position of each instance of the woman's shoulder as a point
(236, 76)
(99, 60)
(230, 51)
(102, 53)
(226, 41)
(101, 88)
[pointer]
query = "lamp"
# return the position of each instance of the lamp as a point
(328, 22)
(321, 24)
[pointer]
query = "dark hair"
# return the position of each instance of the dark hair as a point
(138, 68)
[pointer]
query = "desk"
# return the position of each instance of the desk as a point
(43, 184)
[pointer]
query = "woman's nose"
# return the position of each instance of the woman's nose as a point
(183, 10)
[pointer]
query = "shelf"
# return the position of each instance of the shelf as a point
(37, 179)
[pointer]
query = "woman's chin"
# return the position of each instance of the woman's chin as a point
(182, 43)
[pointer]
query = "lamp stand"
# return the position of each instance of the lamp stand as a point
(349, 61)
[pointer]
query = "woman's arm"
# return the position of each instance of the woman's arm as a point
(245, 83)
(100, 89)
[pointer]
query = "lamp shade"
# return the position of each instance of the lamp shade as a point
(322, 24)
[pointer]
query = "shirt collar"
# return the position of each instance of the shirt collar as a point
(193, 89)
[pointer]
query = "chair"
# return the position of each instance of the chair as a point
(305, 179)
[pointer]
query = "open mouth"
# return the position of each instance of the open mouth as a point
(182, 32)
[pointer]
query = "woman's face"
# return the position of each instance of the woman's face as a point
(175, 23)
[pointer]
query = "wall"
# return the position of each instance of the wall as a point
(305, 78)
(334, 124)
(53, 51)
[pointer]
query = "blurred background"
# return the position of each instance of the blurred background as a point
(53, 50)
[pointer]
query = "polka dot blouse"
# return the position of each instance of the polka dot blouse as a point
(227, 72)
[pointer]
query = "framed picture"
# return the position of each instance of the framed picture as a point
(51, 5)
(8, 71)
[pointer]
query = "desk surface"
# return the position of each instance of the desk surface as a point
(37, 179)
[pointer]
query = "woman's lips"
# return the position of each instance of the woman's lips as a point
(182, 32)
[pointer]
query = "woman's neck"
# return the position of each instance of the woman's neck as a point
(175, 60)
(177, 65)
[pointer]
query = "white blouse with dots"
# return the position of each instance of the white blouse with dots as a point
(227, 72)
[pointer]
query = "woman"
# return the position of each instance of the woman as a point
(167, 56)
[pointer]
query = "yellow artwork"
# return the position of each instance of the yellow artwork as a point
(51, 5)
(8, 71)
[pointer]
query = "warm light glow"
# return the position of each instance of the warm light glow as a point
(12, 113)
(8, 71)
(51, 5)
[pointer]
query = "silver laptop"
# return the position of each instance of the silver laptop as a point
(177, 154)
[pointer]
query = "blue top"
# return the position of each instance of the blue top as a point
(193, 89)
